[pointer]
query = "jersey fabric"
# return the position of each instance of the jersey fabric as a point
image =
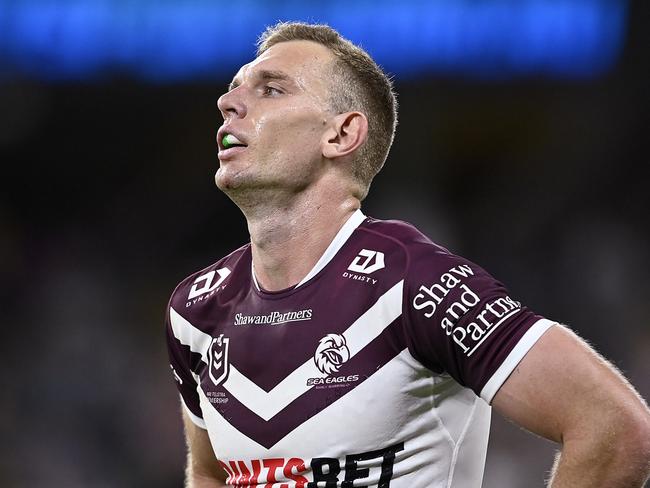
(376, 370)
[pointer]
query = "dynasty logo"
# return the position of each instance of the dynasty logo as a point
(366, 263)
(206, 286)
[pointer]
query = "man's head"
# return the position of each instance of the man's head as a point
(356, 83)
(334, 103)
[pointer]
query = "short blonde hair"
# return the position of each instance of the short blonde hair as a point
(359, 84)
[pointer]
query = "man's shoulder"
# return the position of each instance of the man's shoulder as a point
(423, 256)
(210, 279)
(405, 235)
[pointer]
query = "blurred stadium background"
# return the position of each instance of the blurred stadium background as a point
(523, 145)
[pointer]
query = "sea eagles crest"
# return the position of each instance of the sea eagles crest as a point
(218, 366)
(331, 353)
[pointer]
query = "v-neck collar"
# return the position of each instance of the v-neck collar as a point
(337, 243)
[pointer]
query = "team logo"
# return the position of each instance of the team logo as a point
(331, 353)
(218, 366)
(367, 262)
(205, 283)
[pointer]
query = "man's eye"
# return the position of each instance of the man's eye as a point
(271, 90)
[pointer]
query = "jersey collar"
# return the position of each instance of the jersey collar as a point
(341, 238)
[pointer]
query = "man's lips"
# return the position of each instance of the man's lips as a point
(230, 152)
(227, 138)
(230, 143)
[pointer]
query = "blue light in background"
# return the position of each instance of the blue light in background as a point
(179, 40)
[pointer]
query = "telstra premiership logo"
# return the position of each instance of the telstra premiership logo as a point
(218, 365)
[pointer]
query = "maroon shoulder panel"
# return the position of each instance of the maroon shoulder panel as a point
(458, 319)
(194, 291)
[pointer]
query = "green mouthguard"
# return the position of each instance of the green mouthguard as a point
(227, 141)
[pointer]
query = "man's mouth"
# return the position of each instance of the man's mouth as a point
(230, 140)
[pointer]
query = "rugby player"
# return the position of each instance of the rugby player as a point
(337, 350)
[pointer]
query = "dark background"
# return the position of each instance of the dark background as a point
(108, 200)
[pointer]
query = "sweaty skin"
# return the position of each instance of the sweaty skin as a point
(292, 179)
(276, 105)
(292, 182)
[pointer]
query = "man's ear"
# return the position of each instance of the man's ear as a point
(347, 132)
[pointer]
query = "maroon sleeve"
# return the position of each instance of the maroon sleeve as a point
(181, 360)
(459, 319)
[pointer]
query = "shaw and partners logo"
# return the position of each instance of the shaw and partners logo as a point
(274, 318)
(205, 286)
(331, 353)
(366, 263)
(465, 316)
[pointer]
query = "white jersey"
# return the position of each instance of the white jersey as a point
(376, 370)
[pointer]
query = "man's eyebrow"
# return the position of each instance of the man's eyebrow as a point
(264, 75)
(273, 75)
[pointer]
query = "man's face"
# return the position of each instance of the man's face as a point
(277, 107)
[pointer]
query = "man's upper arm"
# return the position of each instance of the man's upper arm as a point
(203, 469)
(562, 389)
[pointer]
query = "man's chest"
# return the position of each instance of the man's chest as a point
(274, 364)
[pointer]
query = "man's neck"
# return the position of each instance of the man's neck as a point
(288, 240)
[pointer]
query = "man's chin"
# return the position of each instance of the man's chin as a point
(226, 181)
(234, 183)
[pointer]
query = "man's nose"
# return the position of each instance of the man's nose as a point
(231, 104)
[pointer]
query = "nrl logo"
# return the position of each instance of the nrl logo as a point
(332, 352)
(218, 366)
